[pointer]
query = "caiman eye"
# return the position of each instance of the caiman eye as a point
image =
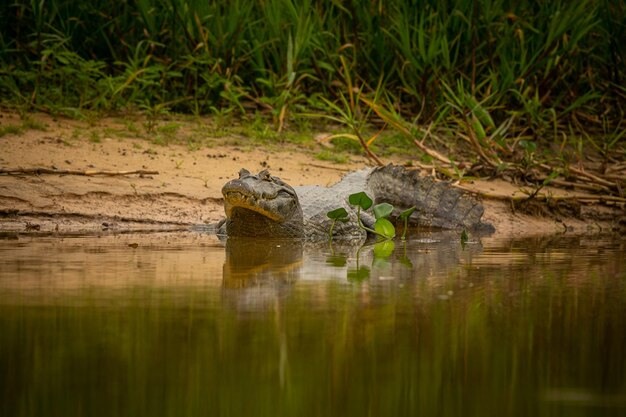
(265, 175)
(286, 192)
(243, 173)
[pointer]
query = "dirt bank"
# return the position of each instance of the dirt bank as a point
(95, 193)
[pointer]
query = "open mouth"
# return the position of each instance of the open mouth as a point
(235, 196)
(237, 200)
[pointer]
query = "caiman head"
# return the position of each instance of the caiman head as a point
(261, 205)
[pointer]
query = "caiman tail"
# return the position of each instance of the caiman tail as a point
(439, 205)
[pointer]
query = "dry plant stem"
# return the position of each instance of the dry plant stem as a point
(428, 151)
(328, 167)
(369, 153)
(593, 177)
(620, 166)
(432, 153)
(584, 176)
(583, 186)
(619, 178)
(37, 171)
(481, 151)
(583, 198)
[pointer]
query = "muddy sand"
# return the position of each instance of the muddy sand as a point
(179, 185)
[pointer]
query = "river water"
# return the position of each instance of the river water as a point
(183, 324)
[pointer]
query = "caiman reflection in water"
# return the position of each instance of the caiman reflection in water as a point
(181, 325)
(264, 262)
(251, 261)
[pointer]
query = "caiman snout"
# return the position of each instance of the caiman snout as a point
(261, 193)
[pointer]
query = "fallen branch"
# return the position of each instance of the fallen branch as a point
(92, 172)
(583, 198)
(569, 184)
(585, 176)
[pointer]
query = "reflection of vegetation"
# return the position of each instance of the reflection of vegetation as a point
(464, 238)
(511, 337)
(381, 251)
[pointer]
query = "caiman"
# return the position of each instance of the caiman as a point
(265, 206)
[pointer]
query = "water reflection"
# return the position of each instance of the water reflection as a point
(184, 324)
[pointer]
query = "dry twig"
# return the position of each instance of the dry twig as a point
(90, 172)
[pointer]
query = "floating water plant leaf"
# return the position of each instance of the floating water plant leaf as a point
(385, 228)
(360, 199)
(382, 210)
(338, 214)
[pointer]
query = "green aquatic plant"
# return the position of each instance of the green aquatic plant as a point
(404, 216)
(383, 227)
(336, 215)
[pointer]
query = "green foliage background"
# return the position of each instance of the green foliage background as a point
(537, 60)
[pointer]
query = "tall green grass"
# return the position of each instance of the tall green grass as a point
(541, 63)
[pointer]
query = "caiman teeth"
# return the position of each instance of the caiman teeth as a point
(238, 195)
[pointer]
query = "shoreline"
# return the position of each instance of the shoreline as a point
(127, 182)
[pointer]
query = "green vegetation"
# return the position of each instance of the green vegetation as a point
(10, 130)
(26, 124)
(404, 217)
(531, 60)
(338, 158)
(340, 214)
(383, 228)
(508, 82)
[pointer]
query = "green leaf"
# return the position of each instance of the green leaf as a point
(384, 249)
(385, 228)
(382, 210)
(338, 214)
(406, 213)
(478, 128)
(360, 199)
(480, 112)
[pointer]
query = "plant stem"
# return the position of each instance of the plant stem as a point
(362, 226)
(330, 232)
(406, 223)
